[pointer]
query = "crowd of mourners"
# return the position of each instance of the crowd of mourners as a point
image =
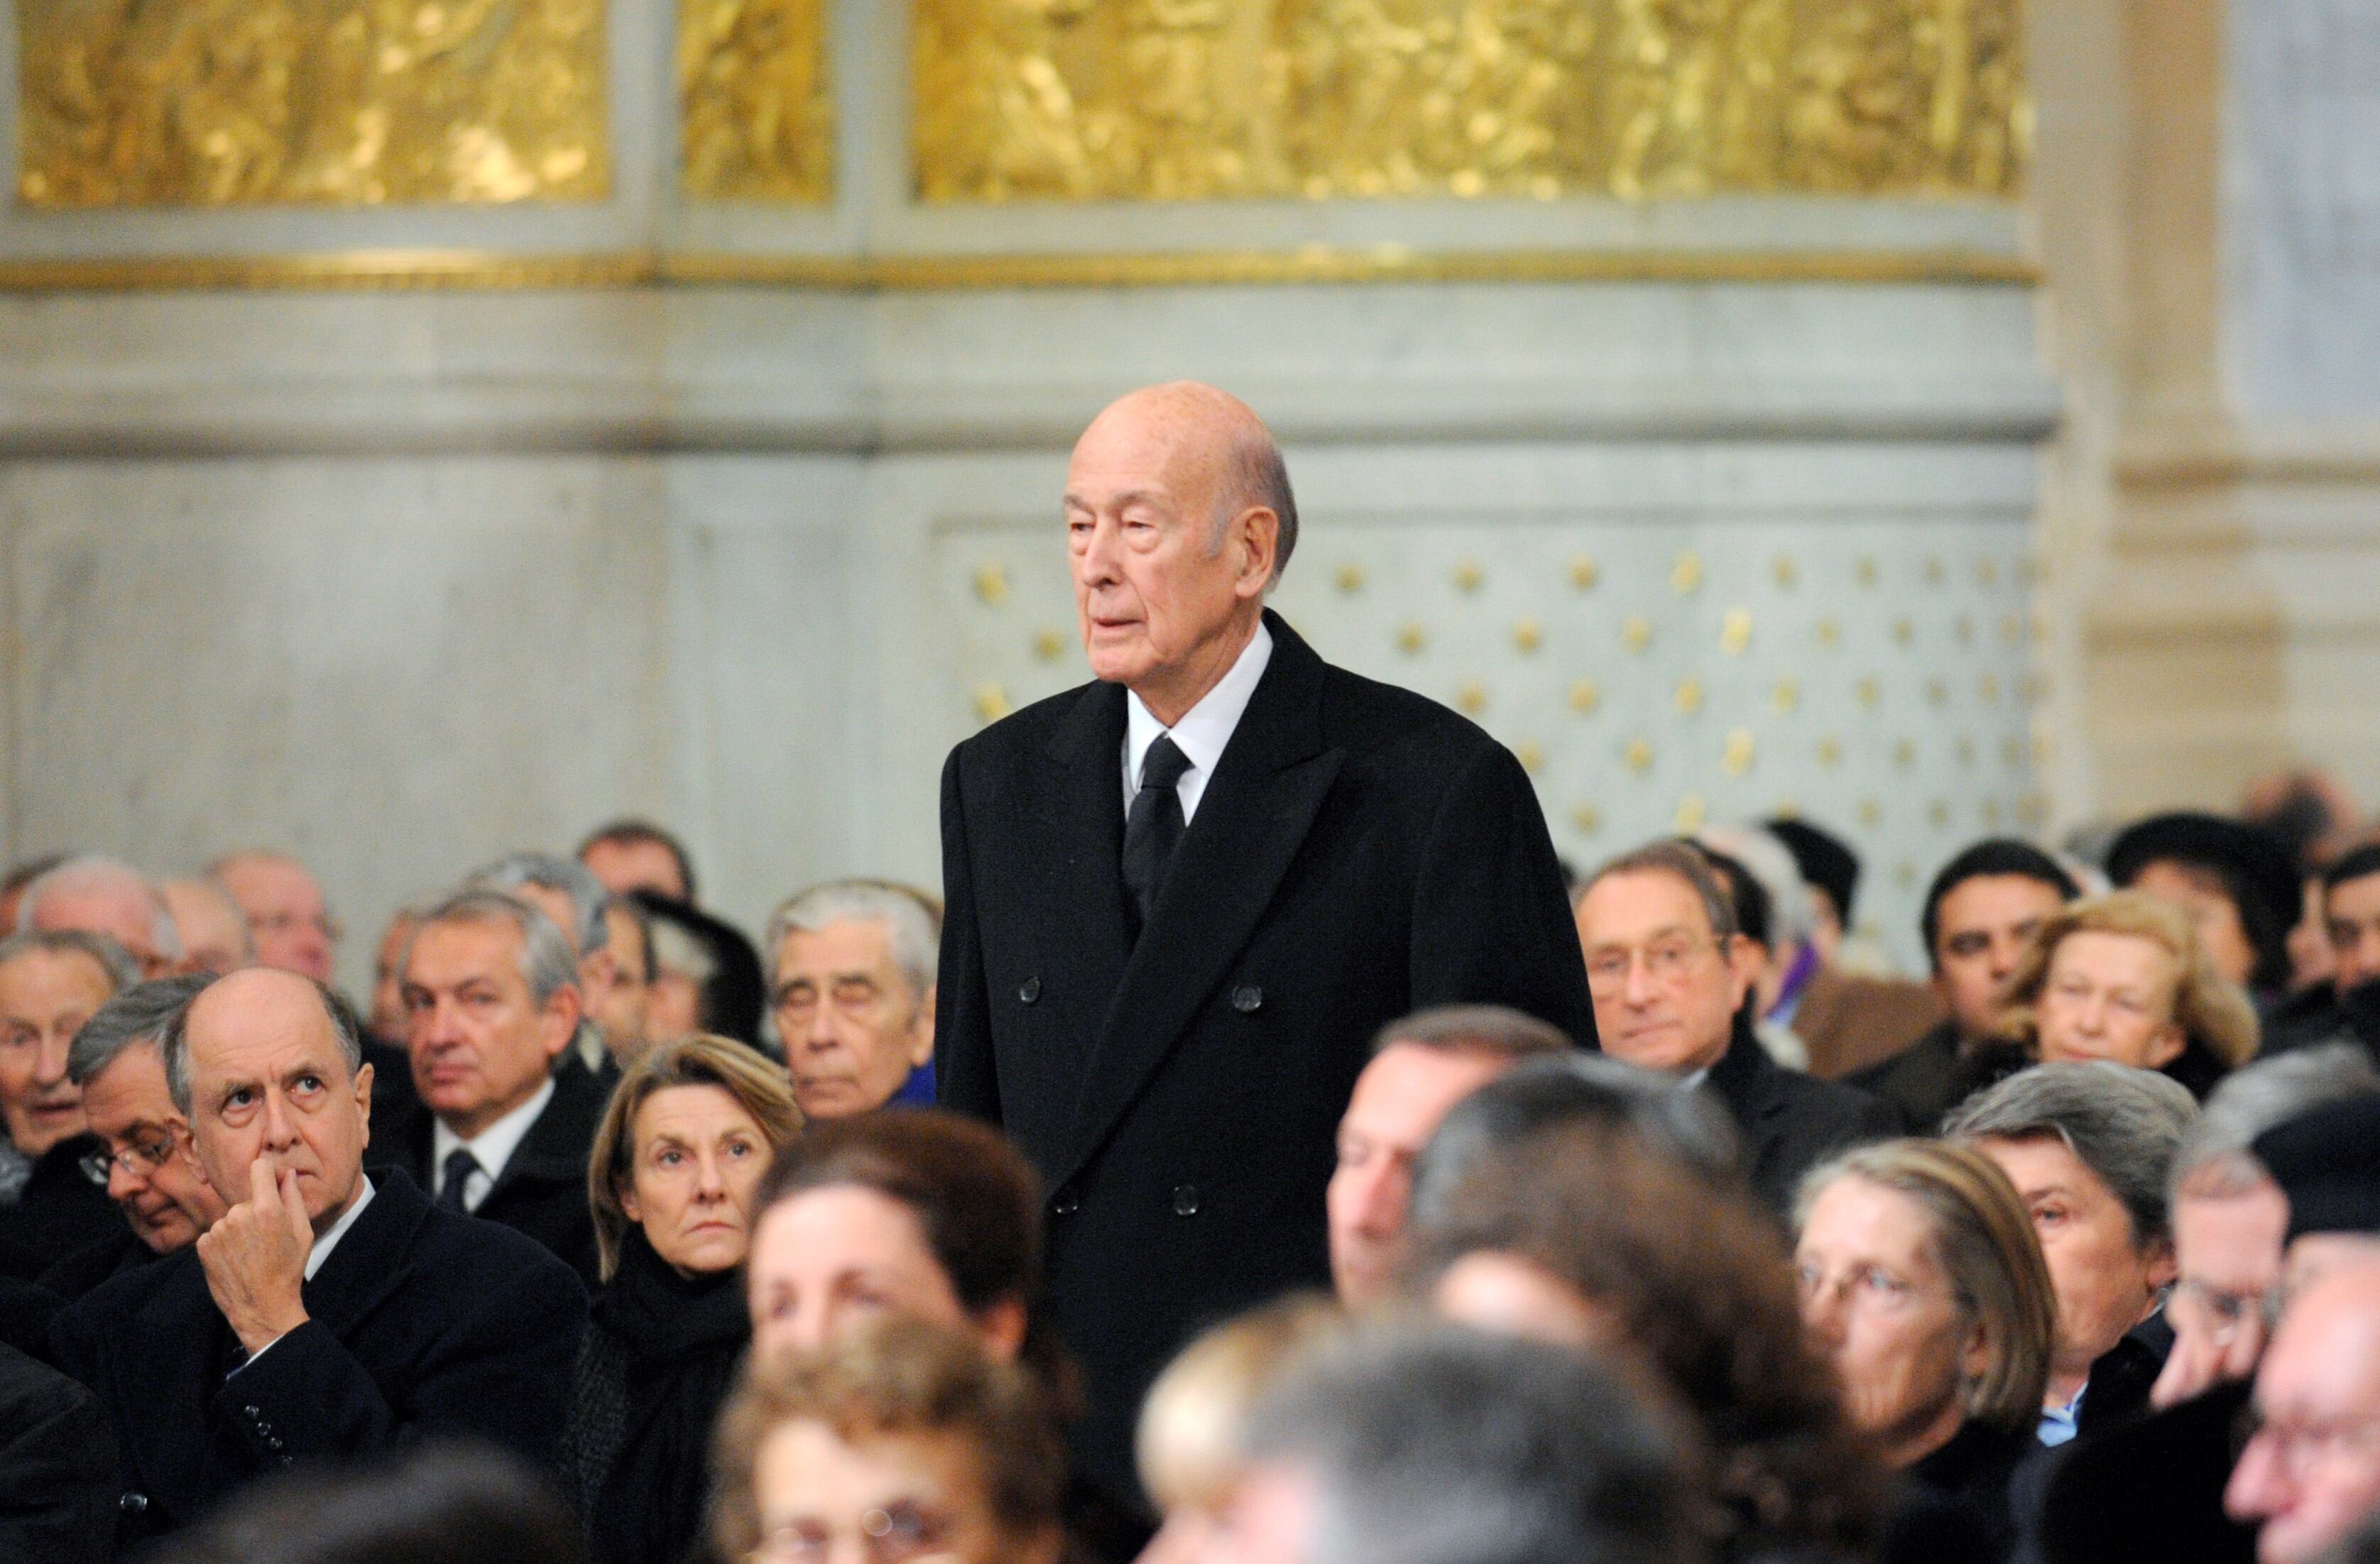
(600, 1233)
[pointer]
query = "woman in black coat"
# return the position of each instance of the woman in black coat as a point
(690, 1129)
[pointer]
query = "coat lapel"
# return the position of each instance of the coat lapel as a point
(1076, 826)
(179, 1351)
(367, 1263)
(1252, 819)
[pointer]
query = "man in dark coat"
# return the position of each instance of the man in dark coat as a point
(327, 1316)
(491, 1001)
(1672, 978)
(1182, 899)
(50, 983)
(57, 1467)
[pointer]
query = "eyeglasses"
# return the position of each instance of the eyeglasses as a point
(898, 1533)
(139, 1160)
(1867, 1285)
(2223, 1314)
(1665, 961)
(326, 925)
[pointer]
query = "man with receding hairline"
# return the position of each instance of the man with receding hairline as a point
(1182, 898)
(329, 1315)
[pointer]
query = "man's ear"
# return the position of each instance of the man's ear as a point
(921, 1031)
(1257, 531)
(363, 1097)
(1744, 964)
(562, 1013)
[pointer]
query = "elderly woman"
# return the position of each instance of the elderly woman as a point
(904, 1441)
(2124, 978)
(1919, 1279)
(676, 1163)
(1571, 1235)
(2088, 1147)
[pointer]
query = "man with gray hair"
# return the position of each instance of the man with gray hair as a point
(1436, 1445)
(102, 895)
(851, 994)
(491, 1001)
(50, 983)
(143, 1157)
(328, 1315)
(2089, 1148)
(575, 899)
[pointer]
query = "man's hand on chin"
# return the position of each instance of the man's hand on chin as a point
(255, 1258)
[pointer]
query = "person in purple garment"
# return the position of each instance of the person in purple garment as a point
(850, 991)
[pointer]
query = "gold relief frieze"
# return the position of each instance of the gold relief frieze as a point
(338, 103)
(1176, 99)
(756, 111)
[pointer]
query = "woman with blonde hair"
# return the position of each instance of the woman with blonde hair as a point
(1921, 1280)
(2124, 977)
(1194, 1418)
(681, 1150)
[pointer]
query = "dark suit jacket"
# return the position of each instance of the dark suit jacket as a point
(2149, 1488)
(543, 1190)
(59, 1211)
(1359, 852)
(1788, 1120)
(422, 1323)
(57, 1498)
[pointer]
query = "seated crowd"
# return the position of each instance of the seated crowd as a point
(600, 1233)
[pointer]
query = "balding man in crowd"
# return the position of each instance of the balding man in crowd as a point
(17, 881)
(1182, 898)
(632, 855)
(575, 902)
(327, 1316)
(1672, 981)
(216, 937)
(286, 911)
(101, 895)
(50, 985)
(851, 989)
(143, 1157)
(2309, 1469)
(1421, 1067)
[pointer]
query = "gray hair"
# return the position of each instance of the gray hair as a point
(546, 964)
(567, 876)
(96, 871)
(2215, 1158)
(1682, 859)
(913, 927)
(138, 1015)
(173, 1046)
(1258, 476)
(1685, 1127)
(1433, 1444)
(2124, 1124)
(1498, 1030)
(112, 959)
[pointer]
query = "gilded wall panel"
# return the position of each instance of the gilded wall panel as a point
(755, 112)
(1188, 99)
(343, 102)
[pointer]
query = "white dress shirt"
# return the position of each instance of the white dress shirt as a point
(491, 1148)
(1203, 730)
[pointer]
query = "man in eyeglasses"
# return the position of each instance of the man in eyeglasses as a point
(2308, 1471)
(143, 1158)
(286, 911)
(1669, 975)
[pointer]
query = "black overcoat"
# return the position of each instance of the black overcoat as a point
(1790, 1122)
(1359, 852)
(421, 1322)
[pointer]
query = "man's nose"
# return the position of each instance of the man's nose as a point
(280, 1124)
(2257, 1483)
(1379, 1199)
(1102, 556)
(122, 1183)
(50, 1060)
(1639, 989)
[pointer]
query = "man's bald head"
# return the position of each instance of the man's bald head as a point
(100, 895)
(252, 1000)
(1222, 445)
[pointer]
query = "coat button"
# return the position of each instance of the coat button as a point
(1066, 1202)
(132, 1504)
(1030, 991)
(253, 1412)
(1186, 1200)
(1247, 998)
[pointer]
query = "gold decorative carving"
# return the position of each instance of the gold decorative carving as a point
(1689, 697)
(1831, 752)
(1048, 643)
(1584, 696)
(1468, 576)
(991, 702)
(1786, 571)
(1531, 755)
(1637, 632)
(992, 584)
(336, 103)
(1786, 695)
(1865, 570)
(1351, 578)
(1472, 697)
(1735, 632)
(1528, 633)
(1687, 573)
(1588, 817)
(1736, 759)
(756, 109)
(1829, 632)
(1176, 99)
(1584, 573)
(1638, 755)
(1693, 814)
(1411, 637)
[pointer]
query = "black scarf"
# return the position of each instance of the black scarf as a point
(661, 1354)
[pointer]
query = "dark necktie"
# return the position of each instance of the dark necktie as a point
(1154, 827)
(460, 1166)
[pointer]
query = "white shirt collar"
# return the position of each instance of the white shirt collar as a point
(494, 1146)
(330, 1241)
(1203, 730)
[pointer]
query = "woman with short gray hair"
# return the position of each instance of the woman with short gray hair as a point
(2089, 1148)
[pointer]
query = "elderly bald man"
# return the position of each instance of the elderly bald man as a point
(1182, 899)
(286, 913)
(328, 1315)
(100, 895)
